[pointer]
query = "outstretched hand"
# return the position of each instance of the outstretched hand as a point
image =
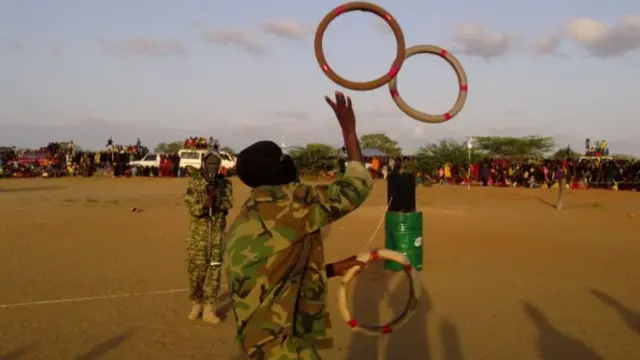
(340, 268)
(343, 108)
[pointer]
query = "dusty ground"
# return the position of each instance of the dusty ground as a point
(505, 277)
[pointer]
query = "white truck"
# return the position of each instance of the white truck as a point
(191, 160)
(149, 160)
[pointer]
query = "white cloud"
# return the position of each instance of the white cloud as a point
(476, 40)
(288, 29)
(144, 46)
(235, 38)
(546, 45)
(602, 41)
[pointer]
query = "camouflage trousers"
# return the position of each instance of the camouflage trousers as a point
(204, 278)
(286, 348)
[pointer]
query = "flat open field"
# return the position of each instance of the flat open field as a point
(506, 277)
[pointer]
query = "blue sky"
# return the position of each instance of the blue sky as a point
(243, 71)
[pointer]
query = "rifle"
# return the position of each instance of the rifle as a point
(211, 188)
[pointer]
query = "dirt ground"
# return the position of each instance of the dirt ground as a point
(505, 275)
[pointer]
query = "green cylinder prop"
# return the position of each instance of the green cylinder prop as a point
(403, 233)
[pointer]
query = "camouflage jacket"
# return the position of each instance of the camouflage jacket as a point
(196, 197)
(275, 262)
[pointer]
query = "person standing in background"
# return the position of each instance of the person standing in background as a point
(208, 199)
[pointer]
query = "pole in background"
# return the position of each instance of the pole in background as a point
(469, 149)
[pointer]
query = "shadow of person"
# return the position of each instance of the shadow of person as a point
(379, 296)
(224, 306)
(366, 292)
(545, 202)
(104, 347)
(630, 317)
(553, 344)
(17, 353)
(451, 347)
(410, 341)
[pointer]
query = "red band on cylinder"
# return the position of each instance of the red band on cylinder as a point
(464, 87)
(386, 329)
(374, 255)
(394, 93)
(447, 116)
(443, 53)
(339, 10)
(352, 323)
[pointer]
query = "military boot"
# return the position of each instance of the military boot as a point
(196, 311)
(209, 315)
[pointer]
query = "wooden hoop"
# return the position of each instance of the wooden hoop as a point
(377, 330)
(368, 7)
(462, 81)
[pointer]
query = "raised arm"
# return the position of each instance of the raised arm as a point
(331, 202)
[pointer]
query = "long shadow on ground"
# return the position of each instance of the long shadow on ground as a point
(555, 345)
(33, 188)
(408, 342)
(104, 347)
(451, 346)
(630, 317)
(17, 353)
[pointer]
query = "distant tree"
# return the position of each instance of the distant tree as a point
(314, 158)
(228, 150)
(527, 146)
(566, 153)
(381, 142)
(431, 156)
(624, 157)
(169, 148)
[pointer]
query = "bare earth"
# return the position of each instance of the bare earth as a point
(505, 276)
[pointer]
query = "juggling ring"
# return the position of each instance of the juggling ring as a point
(377, 330)
(462, 81)
(368, 7)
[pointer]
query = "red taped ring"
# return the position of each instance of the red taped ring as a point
(462, 85)
(386, 329)
(407, 268)
(393, 72)
(374, 255)
(374, 9)
(352, 323)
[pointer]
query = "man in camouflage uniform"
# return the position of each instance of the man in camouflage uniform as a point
(274, 253)
(208, 199)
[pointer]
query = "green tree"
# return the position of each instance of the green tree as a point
(624, 157)
(566, 153)
(314, 158)
(516, 147)
(381, 142)
(432, 156)
(228, 150)
(168, 148)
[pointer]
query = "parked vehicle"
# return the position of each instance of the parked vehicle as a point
(191, 159)
(149, 160)
(36, 157)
